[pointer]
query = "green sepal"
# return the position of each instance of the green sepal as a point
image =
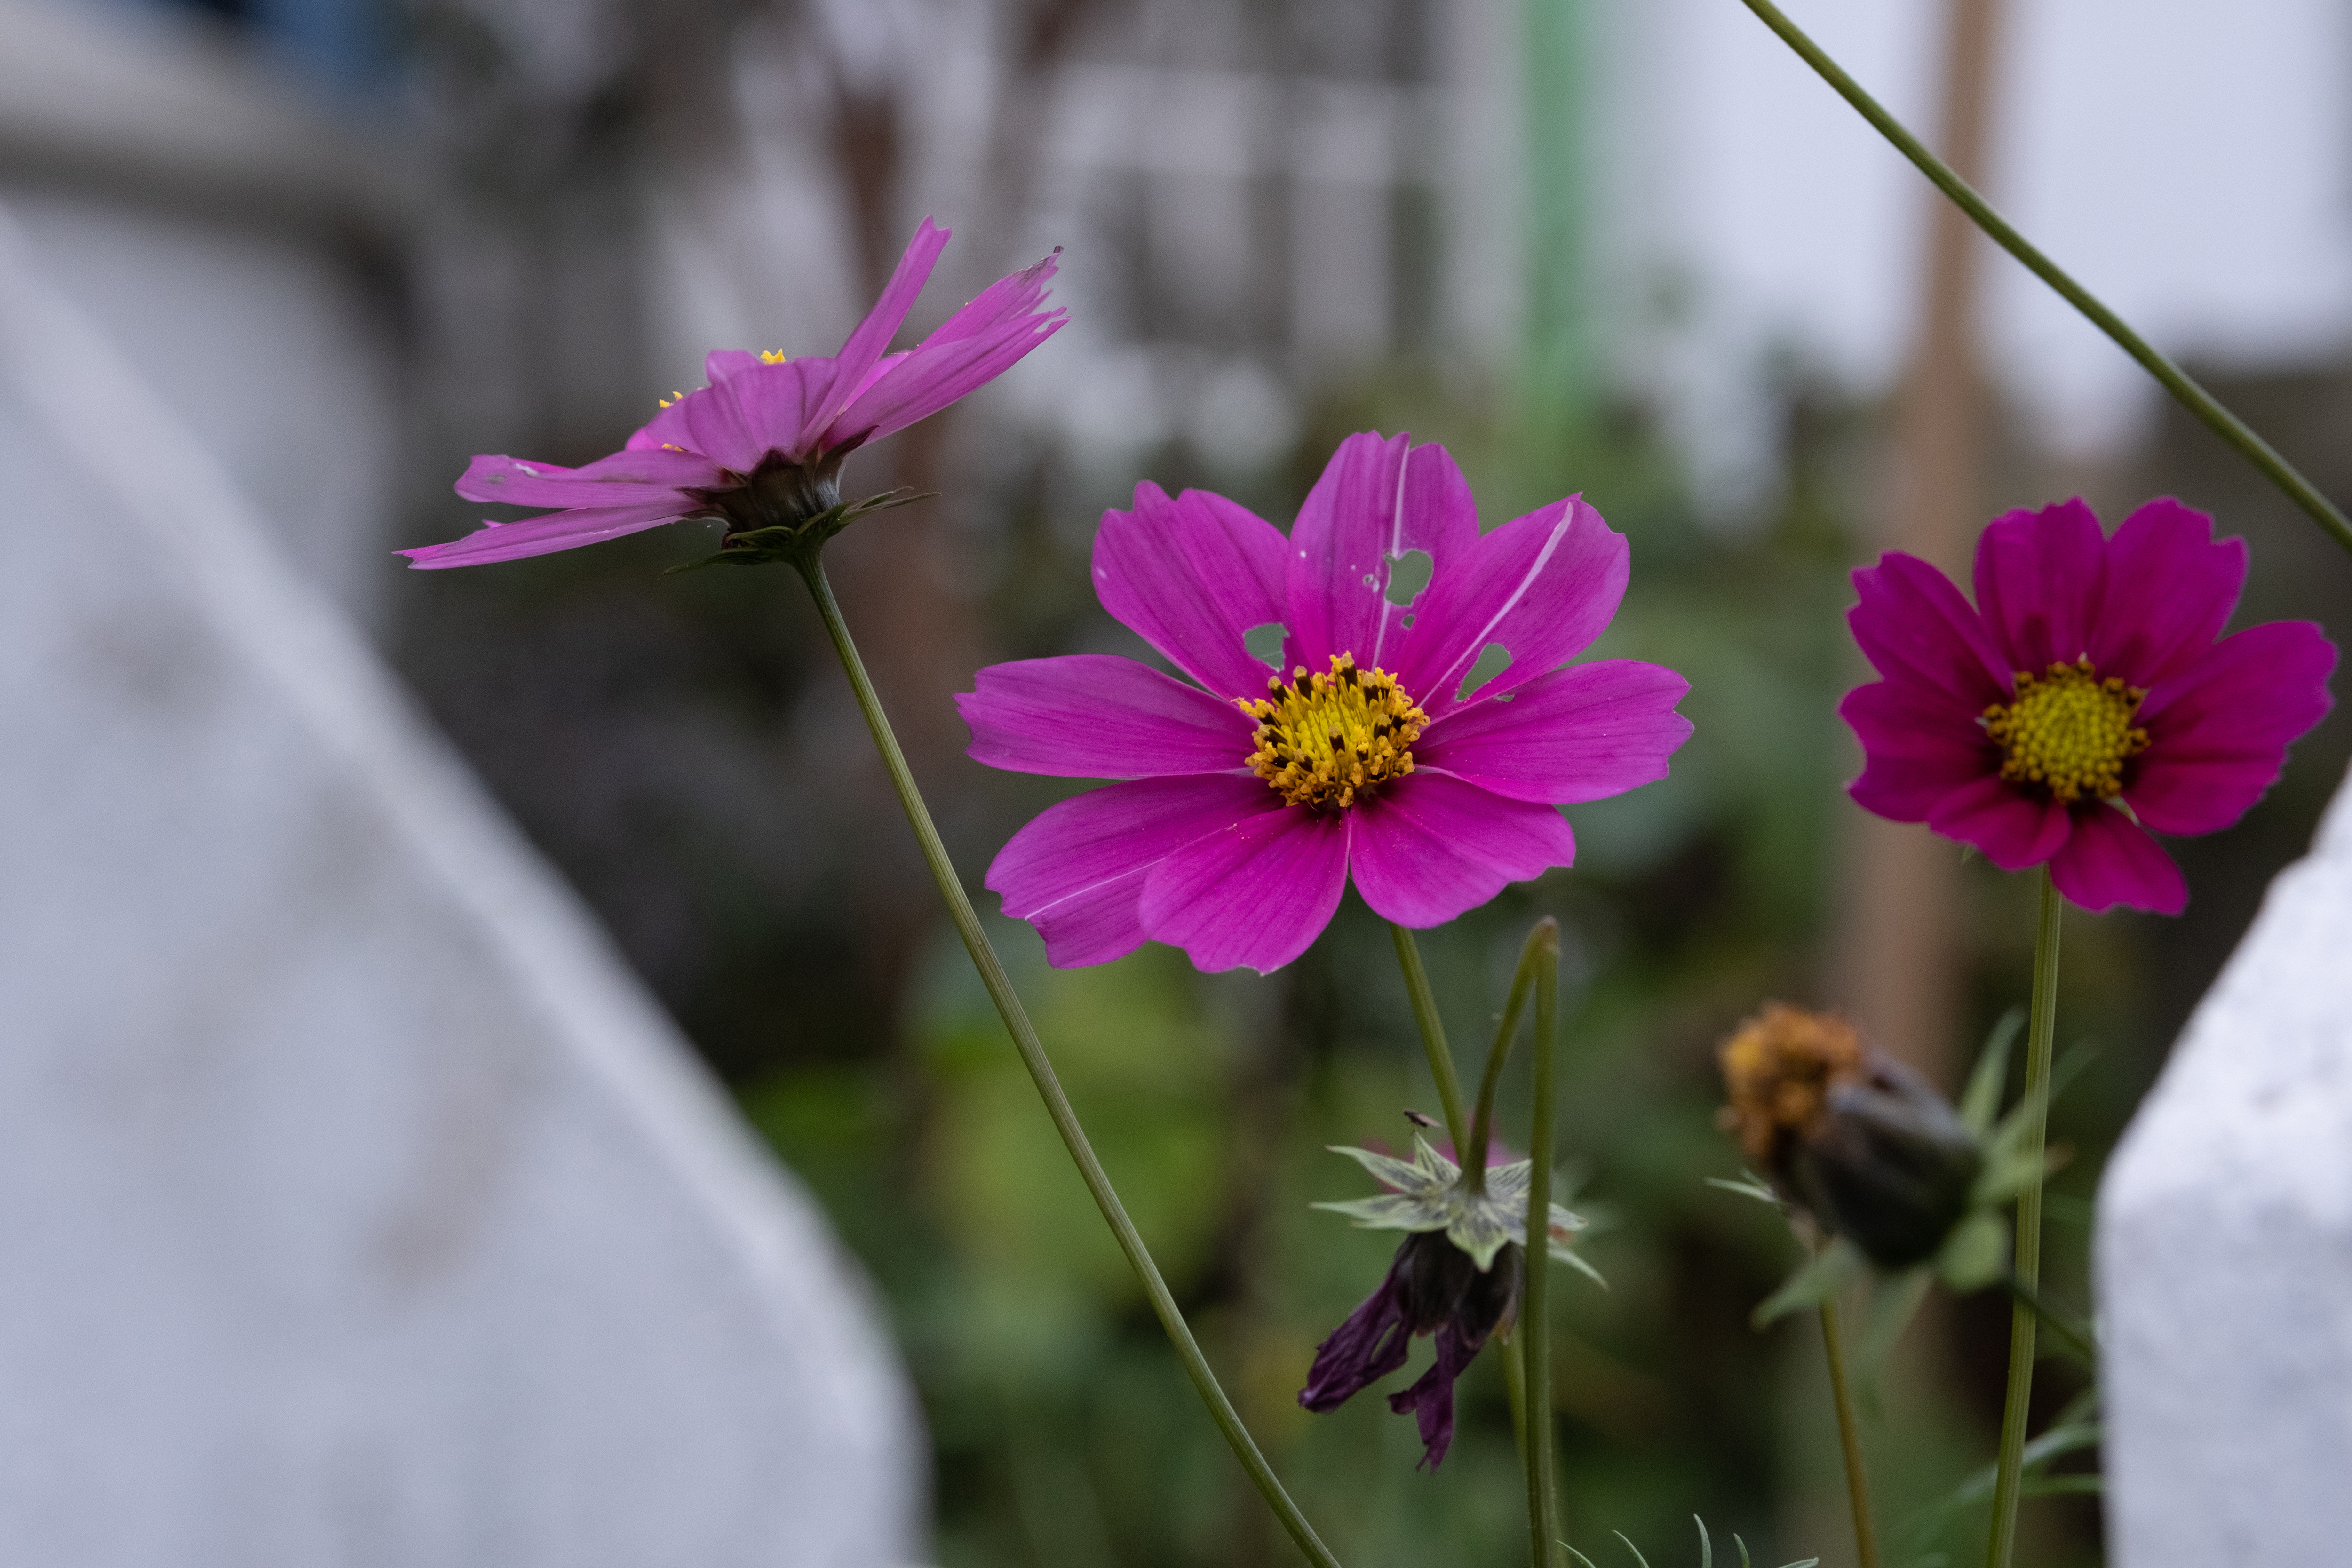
(1823, 1276)
(792, 543)
(1974, 1254)
(1389, 1211)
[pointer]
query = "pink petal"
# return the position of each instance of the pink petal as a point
(1192, 578)
(1911, 622)
(1430, 846)
(1582, 734)
(776, 401)
(2110, 861)
(2040, 578)
(543, 535)
(666, 429)
(1377, 500)
(2170, 588)
(2218, 732)
(1094, 716)
(2013, 829)
(716, 426)
(867, 345)
(624, 478)
(720, 364)
(1076, 872)
(1256, 893)
(1919, 745)
(1543, 586)
(970, 349)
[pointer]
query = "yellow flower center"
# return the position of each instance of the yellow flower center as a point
(771, 356)
(1325, 740)
(2069, 731)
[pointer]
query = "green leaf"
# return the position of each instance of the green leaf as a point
(1831, 1271)
(1575, 1260)
(1706, 1546)
(1894, 1302)
(1749, 1185)
(1631, 1548)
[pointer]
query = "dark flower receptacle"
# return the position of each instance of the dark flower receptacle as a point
(1432, 1288)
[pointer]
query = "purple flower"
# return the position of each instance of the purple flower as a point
(761, 446)
(1433, 1287)
(2083, 701)
(1251, 800)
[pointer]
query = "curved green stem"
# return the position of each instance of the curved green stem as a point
(1049, 1088)
(1543, 1496)
(2028, 1266)
(1433, 1039)
(1858, 1479)
(1482, 1120)
(2176, 381)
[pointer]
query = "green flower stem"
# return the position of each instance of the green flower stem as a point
(1857, 1481)
(1543, 1496)
(2075, 1337)
(2176, 381)
(2028, 1267)
(1482, 1120)
(1432, 1038)
(1049, 1088)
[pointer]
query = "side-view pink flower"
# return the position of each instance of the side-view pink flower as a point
(2083, 701)
(1250, 799)
(761, 445)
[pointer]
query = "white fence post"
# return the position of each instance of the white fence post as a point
(2225, 1254)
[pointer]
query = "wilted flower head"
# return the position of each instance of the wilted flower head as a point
(1383, 747)
(759, 447)
(1860, 1140)
(2083, 701)
(1456, 1277)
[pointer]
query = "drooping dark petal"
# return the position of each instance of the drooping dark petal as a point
(1372, 1343)
(1485, 1302)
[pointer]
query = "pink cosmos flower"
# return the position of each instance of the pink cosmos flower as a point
(1250, 800)
(2084, 699)
(761, 446)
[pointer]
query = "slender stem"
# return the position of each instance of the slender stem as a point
(2028, 1266)
(1432, 1041)
(1482, 1120)
(1543, 1497)
(2176, 381)
(1049, 1088)
(1857, 1481)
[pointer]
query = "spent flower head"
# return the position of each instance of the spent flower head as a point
(1378, 749)
(759, 448)
(1457, 1276)
(2085, 700)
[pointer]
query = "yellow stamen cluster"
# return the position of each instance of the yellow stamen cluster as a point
(666, 402)
(2069, 732)
(1778, 1071)
(771, 356)
(1325, 740)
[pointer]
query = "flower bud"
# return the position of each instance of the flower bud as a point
(1890, 1166)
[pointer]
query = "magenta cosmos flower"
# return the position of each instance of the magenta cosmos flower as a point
(761, 446)
(1251, 799)
(2083, 701)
